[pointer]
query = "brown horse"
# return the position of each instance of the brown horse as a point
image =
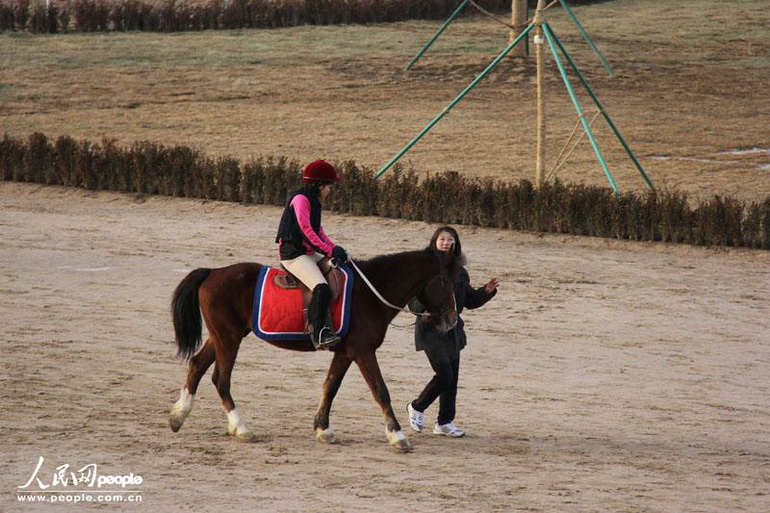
(224, 296)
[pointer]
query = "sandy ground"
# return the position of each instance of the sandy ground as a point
(606, 376)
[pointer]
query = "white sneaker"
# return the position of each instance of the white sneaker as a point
(416, 418)
(448, 430)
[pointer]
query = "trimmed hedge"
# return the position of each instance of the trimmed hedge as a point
(152, 168)
(173, 16)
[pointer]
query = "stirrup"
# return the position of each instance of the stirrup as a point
(326, 339)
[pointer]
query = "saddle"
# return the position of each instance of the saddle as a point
(280, 302)
(333, 275)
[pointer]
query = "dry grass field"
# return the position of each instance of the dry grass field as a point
(606, 375)
(689, 94)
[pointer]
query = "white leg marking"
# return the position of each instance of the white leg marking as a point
(181, 409)
(326, 436)
(236, 426)
(395, 437)
(399, 441)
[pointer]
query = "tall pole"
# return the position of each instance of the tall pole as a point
(519, 23)
(539, 40)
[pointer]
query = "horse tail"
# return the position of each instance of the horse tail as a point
(185, 308)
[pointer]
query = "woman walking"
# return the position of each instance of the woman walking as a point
(443, 349)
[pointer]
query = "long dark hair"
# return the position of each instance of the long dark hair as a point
(457, 249)
(314, 188)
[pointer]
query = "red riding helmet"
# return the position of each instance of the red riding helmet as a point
(319, 171)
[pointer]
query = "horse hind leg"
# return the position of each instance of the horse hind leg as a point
(339, 366)
(199, 364)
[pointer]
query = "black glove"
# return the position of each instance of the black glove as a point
(339, 254)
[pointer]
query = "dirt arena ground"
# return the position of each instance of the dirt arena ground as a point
(606, 376)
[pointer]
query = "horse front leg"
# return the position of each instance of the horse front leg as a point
(370, 370)
(199, 364)
(226, 355)
(339, 366)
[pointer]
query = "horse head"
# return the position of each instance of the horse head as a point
(438, 295)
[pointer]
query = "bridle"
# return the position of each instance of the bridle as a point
(444, 311)
(384, 301)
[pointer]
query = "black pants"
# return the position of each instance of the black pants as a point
(445, 361)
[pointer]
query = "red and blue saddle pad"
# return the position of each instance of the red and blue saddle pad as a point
(278, 313)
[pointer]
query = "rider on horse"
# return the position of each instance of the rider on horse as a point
(303, 243)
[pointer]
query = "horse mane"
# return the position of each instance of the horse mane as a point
(389, 261)
(458, 262)
(393, 262)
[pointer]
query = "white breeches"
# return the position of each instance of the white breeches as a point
(305, 268)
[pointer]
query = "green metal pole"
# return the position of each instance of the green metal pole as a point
(578, 108)
(438, 33)
(587, 37)
(454, 102)
(604, 113)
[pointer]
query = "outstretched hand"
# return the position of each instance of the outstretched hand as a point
(491, 285)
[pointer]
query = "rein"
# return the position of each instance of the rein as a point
(379, 296)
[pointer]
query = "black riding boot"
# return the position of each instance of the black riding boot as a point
(319, 321)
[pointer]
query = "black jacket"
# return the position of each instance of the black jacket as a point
(290, 234)
(425, 333)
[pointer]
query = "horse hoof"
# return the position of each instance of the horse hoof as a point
(175, 424)
(326, 436)
(403, 446)
(399, 441)
(247, 437)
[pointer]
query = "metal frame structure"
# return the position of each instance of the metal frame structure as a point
(543, 34)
